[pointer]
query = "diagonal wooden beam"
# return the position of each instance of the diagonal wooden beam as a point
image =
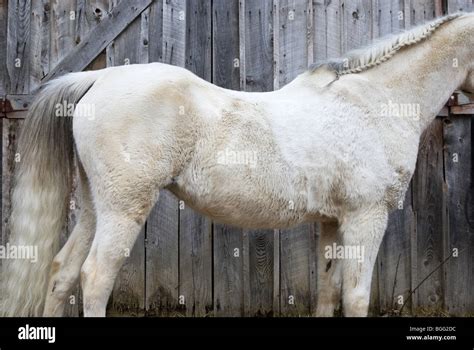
(97, 40)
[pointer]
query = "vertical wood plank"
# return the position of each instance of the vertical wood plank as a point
(40, 41)
(295, 261)
(18, 46)
(460, 5)
(198, 38)
(195, 230)
(458, 164)
(357, 24)
(156, 32)
(228, 241)
(261, 273)
(421, 11)
(195, 267)
(226, 48)
(174, 32)
(258, 46)
(162, 257)
(388, 17)
(293, 39)
(327, 16)
(3, 45)
(429, 206)
(394, 261)
(162, 231)
(63, 29)
(228, 271)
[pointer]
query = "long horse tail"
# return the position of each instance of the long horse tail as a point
(42, 184)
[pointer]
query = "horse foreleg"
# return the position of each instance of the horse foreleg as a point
(329, 272)
(362, 230)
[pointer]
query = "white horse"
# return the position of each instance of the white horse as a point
(322, 149)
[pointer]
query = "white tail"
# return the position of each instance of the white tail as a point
(41, 193)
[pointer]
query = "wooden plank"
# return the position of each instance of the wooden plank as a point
(62, 30)
(327, 29)
(127, 45)
(429, 206)
(228, 241)
(82, 55)
(18, 47)
(162, 232)
(226, 52)
(174, 32)
(394, 260)
(460, 5)
(19, 102)
(88, 14)
(128, 295)
(314, 233)
(195, 230)
(162, 257)
(228, 271)
(421, 11)
(3, 45)
(458, 164)
(40, 41)
(198, 38)
(258, 46)
(357, 24)
(439, 8)
(295, 261)
(195, 263)
(155, 45)
(260, 273)
(463, 110)
(292, 37)
(387, 17)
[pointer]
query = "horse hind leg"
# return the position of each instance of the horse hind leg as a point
(66, 265)
(122, 209)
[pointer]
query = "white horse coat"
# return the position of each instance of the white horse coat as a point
(321, 148)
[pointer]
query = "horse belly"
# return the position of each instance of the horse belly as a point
(235, 197)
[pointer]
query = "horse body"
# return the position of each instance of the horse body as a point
(255, 160)
(321, 148)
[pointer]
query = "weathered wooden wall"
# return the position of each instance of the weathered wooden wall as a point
(184, 264)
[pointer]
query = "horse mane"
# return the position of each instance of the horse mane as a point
(360, 60)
